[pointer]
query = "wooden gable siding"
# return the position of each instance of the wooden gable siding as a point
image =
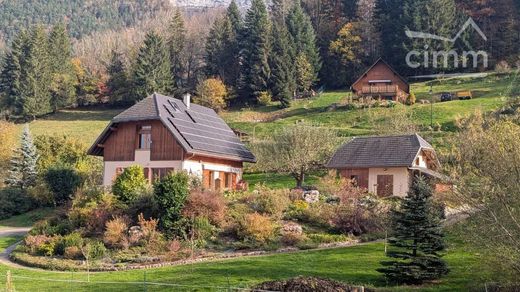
(121, 144)
(380, 72)
(361, 173)
(164, 145)
(213, 160)
(123, 141)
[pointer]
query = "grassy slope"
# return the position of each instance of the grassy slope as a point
(25, 220)
(355, 265)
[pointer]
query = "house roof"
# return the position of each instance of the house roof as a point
(383, 151)
(198, 129)
(380, 60)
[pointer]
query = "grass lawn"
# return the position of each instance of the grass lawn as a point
(5, 242)
(356, 265)
(26, 219)
(278, 181)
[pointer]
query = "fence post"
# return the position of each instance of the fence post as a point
(9, 287)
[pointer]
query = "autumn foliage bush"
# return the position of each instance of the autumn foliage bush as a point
(257, 228)
(208, 204)
(116, 233)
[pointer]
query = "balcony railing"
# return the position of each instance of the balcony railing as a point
(380, 89)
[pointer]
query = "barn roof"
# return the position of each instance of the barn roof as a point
(198, 129)
(383, 151)
(380, 60)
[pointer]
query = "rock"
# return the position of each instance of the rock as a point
(292, 228)
(311, 196)
(135, 234)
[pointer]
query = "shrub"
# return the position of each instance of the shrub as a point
(116, 233)
(171, 193)
(208, 204)
(94, 250)
(33, 242)
(14, 201)
(202, 230)
(212, 93)
(145, 205)
(72, 240)
(410, 99)
(257, 228)
(63, 182)
(72, 252)
(320, 238)
(355, 219)
(270, 201)
(152, 239)
(264, 98)
(130, 184)
(296, 209)
(292, 239)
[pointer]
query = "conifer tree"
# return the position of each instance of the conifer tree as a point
(11, 74)
(152, 72)
(255, 48)
(417, 239)
(64, 81)
(117, 83)
(175, 42)
(233, 14)
(35, 96)
(283, 82)
(22, 173)
(303, 37)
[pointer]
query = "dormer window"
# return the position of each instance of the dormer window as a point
(145, 137)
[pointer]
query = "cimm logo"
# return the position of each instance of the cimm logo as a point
(446, 58)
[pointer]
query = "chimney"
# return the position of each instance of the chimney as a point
(187, 99)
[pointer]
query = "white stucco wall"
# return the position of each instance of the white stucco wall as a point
(401, 179)
(142, 158)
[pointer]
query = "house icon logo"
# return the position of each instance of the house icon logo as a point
(446, 59)
(467, 24)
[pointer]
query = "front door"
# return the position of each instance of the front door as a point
(385, 185)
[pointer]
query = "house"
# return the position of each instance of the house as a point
(163, 134)
(386, 165)
(381, 81)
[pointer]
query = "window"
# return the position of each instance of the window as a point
(227, 180)
(145, 137)
(355, 179)
(159, 173)
(417, 161)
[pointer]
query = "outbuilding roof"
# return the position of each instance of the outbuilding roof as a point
(382, 151)
(198, 129)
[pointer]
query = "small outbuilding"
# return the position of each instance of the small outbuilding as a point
(381, 81)
(386, 165)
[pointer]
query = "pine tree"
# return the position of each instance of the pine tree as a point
(152, 72)
(175, 41)
(11, 74)
(283, 82)
(233, 14)
(117, 83)
(255, 48)
(303, 37)
(22, 173)
(35, 96)
(64, 81)
(417, 239)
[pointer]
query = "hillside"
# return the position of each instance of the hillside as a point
(490, 92)
(82, 17)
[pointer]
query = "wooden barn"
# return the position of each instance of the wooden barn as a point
(381, 81)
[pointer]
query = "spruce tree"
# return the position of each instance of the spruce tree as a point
(117, 83)
(282, 81)
(152, 72)
(22, 173)
(417, 239)
(255, 49)
(64, 81)
(303, 37)
(234, 17)
(35, 97)
(175, 42)
(11, 74)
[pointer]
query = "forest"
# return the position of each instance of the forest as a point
(275, 51)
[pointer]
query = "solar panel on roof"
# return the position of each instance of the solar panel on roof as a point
(168, 110)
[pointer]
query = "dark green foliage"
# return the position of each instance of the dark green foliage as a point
(416, 240)
(283, 81)
(176, 40)
(130, 185)
(63, 182)
(152, 72)
(222, 51)
(23, 170)
(83, 17)
(11, 74)
(303, 37)
(63, 86)
(171, 193)
(255, 49)
(117, 83)
(14, 201)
